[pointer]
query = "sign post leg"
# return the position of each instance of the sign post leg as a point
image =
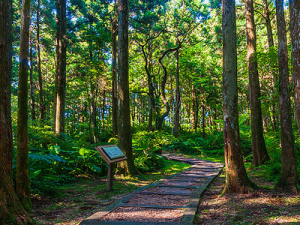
(110, 177)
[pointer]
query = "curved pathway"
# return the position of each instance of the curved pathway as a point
(172, 200)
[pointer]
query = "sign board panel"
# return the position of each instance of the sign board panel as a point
(113, 152)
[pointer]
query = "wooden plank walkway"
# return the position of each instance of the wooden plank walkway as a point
(178, 194)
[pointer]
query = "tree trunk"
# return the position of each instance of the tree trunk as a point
(188, 114)
(150, 119)
(60, 84)
(133, 108)
(148, 63)
(177, 103)
(295, 31)
(160, 118)
(103, 109)
(114, 78)
(32, 99)
(236, 176)
(93, 112)
(11, 211)
(22, 173)
(195, 108)
(38, 50)
(203, 121)
(124, 128)
(259, 151)
(288, 178)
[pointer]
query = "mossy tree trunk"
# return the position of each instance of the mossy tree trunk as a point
(124, 126)
(295, 31)
(22, 171)
(11, 211)
(60, 79)
(236, 176)
(32, 98)
(114, 30)
(288, 178)
(259, 151)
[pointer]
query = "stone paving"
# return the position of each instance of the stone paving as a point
(172, 200)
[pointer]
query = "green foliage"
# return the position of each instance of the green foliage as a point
(62, 161)
(145, 147)
(193, 143)
(245, 136)
(189, 146)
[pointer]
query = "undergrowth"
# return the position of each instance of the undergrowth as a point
(56, 161)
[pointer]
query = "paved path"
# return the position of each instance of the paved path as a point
(172, 200)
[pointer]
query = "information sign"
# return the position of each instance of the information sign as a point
(113, 152)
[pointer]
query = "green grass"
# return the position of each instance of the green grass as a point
(122, 184)
(90, 194)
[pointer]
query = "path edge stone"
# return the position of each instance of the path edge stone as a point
(189, 213)
(93, 219)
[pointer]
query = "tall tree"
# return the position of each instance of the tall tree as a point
(22, 174)
(93, 110)
(161, 116)
(177, 98)
(60, 79)
(195, 107)
(288, 178)
(114, 29)
(259, 151)
(236, 176)
(124, 128)
(11, 211)
(32, 98)
(38, 50)
(295, 31)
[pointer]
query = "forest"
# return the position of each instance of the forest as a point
(215, 79)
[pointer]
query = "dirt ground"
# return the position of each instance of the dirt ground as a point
(79, 201)
(265, 206)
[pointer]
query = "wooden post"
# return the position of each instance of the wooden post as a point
(110, 177)
(111, 154)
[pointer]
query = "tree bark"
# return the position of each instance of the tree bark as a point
(195, 108)
(288, 178)
(93, 112)
(160, 118)
(124, 128)
(38, 50)
(60, 83)
(133, 108)
(203, 121)
(32, 99)
(114, 78)
(295, 31)
(268, 24)
(11, 211)
(148, 63)
(236, 176)
(22, 173)
(177, 102)
(259, 151)
(103, 109)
